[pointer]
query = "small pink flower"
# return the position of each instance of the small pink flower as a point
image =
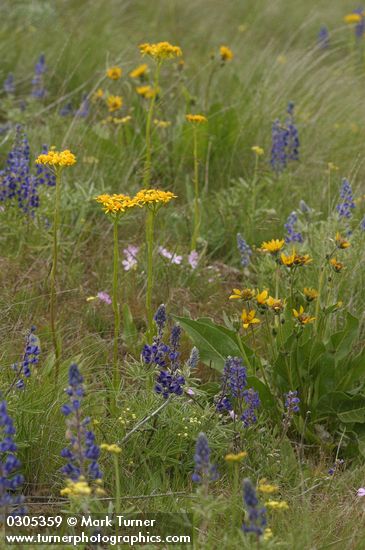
(233, 415)
(104, 297)
(130, 254)
(193, 259)
(190, 391)
(361, 492)
(174, 258)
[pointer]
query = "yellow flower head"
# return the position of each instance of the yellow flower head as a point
(332, 167)
(57, 158)
(235, 457)
(226, 53)
(257, 150)
(79, 488)
(353, 18)
(336, 265)
(153, 197)
(113, 448)
(267, 488)
(161, 123)
(99, 94)
(310, 294)
(268, 534)
(116, 204)
(273, 246)
(148, 92)
(114, 102)
(139, 71)
(341, 242)
(248, 318)
(277, 505)
(196, 119)
(302, 317)
(294, 259)
(121, 120)
(275, 304)
(261, 297)
(244, 294)
(160, 51)
(114, 73)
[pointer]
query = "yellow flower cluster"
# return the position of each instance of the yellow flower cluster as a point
(99, 94)
(310, 294)
(273, 246)
(148, 92)
(117, 120)
(160, 51)
(257, 150)
(226, 53)
(113, 448)
(139, 71)
(196, 119)
(114, 102)
(153, 196)
(336, 265)
(57, 158)
(235, 457)
(81, 488)
(302, 317)
(161, 123)
(267, 488)
(352, 18)
(294, 259)
(114, 73)
(116, 203)
(263, 299)
(277, 505)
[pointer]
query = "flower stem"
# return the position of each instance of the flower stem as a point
(117, 483)
(148, 162)
(53, 277)
(116, 378)
(196, 193)
(150, 222)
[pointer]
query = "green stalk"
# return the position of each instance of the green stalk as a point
(318, 303)
(53, 277)
(117, 484)
(148, 161)
(150, 222)
(196, 193)
(116, 377)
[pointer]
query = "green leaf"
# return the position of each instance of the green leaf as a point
(130, 332)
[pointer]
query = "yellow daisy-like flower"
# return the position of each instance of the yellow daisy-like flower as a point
(161, 123)
(231, 457)
(153, 197)
(245, 294)
(99, 94)
(294, 259)
(277, 505)
(261, 297)
(226, 53)
(117, 203)
(302, 317)
(352, 18)
(57, 158)
(148, 92)
(341, 242)
(310, 294)
(114, 73)
(248, 318)
(139, 71)
(257, 150)
(160, 51)
(113, 448)
(275, 304)
(196, 119)
(114, 103)
(273, 246)
(336, 265)
(267, 488)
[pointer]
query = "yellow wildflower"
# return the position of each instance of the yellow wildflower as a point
(248, 318)
(161, 123)
(337, 266)
(99, 94)
(294, 259)
(160, 51)
(332, 167)
(352, 18)
(114, 73)
(57, 158)
(261, 297)
(121, 120)
(310, 294)
(267, 488)
(231, 457)
(139, 71)
(113, 448)
(302, 317)
(257, 150)
(341, 242)
(244, 294)
(154, 196)
(196, 119)
(79, 488)
(275, 304)
(148, 92)
(277, 505)
(114, 102)
(268, 534)
(272, 246)
(116, 204)
(226, 53)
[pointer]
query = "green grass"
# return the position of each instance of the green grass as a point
(276, 60)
